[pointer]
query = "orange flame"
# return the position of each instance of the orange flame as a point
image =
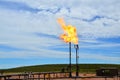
(70, 33)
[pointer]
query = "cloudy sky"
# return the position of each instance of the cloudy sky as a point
(29, 32)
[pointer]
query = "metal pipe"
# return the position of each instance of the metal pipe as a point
(77, 59)
(70, 70)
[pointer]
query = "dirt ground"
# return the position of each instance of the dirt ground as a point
(89, 75)
(90, 79)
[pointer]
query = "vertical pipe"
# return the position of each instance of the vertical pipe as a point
(70, 75)
(77, 57)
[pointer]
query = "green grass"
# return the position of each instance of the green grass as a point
(57, 67)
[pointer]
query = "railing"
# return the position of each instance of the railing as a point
(35, 76)
(50, 76)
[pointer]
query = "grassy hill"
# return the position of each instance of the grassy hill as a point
(58, 67)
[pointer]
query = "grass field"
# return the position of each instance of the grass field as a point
(57, 67)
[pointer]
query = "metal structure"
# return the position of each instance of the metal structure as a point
(77, 59)
(107, 72)
(51, 76)
(70, 69)
(35, 76)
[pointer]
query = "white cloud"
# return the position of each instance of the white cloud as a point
(98, 57)
(97, 28)
(102, 45)
(34, 54)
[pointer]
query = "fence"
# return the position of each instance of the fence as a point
(51, 76)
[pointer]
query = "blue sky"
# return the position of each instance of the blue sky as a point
(29, 32)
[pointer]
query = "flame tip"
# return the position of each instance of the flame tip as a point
(70, 33)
